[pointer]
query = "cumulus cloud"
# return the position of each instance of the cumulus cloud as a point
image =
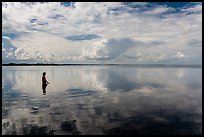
(41, 46)
(107, 49)
(8, 49)
(180, 54)
(102, 31)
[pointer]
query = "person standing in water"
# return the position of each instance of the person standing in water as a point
(44, 82)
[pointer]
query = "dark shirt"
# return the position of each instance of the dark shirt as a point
(44, 82)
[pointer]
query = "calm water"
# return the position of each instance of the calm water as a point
(102, 100)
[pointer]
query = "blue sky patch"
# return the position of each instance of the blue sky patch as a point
(56, 16)
(36, 21)
(43, 23)
(177, 4)
(10, 35)
(67, 4)
(33, 20)
(82, 37)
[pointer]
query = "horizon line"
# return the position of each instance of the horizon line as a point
(64, 64)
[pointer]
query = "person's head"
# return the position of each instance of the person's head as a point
(44, 73)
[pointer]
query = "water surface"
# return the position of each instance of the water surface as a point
(102, 100)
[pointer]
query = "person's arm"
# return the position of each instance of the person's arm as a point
(47, 81)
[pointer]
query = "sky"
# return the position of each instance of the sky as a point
(102, 32)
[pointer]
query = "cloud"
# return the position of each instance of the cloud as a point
(32, 46)
(195, 9)
(76, 31)
(180, 54)
(6, 38)
(8, 49)
(107, 49)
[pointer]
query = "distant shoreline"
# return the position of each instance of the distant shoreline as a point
(139, 65)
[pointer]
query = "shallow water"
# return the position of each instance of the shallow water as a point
(102, 100)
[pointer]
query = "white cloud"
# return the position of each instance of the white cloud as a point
(107, 49)
(158, 10)
(6, 38)
(180, 54)
(197, 8)
(8, 48)
(43, 46)
(158, 36)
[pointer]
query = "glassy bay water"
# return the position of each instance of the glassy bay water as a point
(102, 100)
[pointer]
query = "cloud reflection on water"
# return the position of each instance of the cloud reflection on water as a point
(105, 79)
(105, 99)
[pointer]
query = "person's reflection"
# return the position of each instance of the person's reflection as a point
(44, 83)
